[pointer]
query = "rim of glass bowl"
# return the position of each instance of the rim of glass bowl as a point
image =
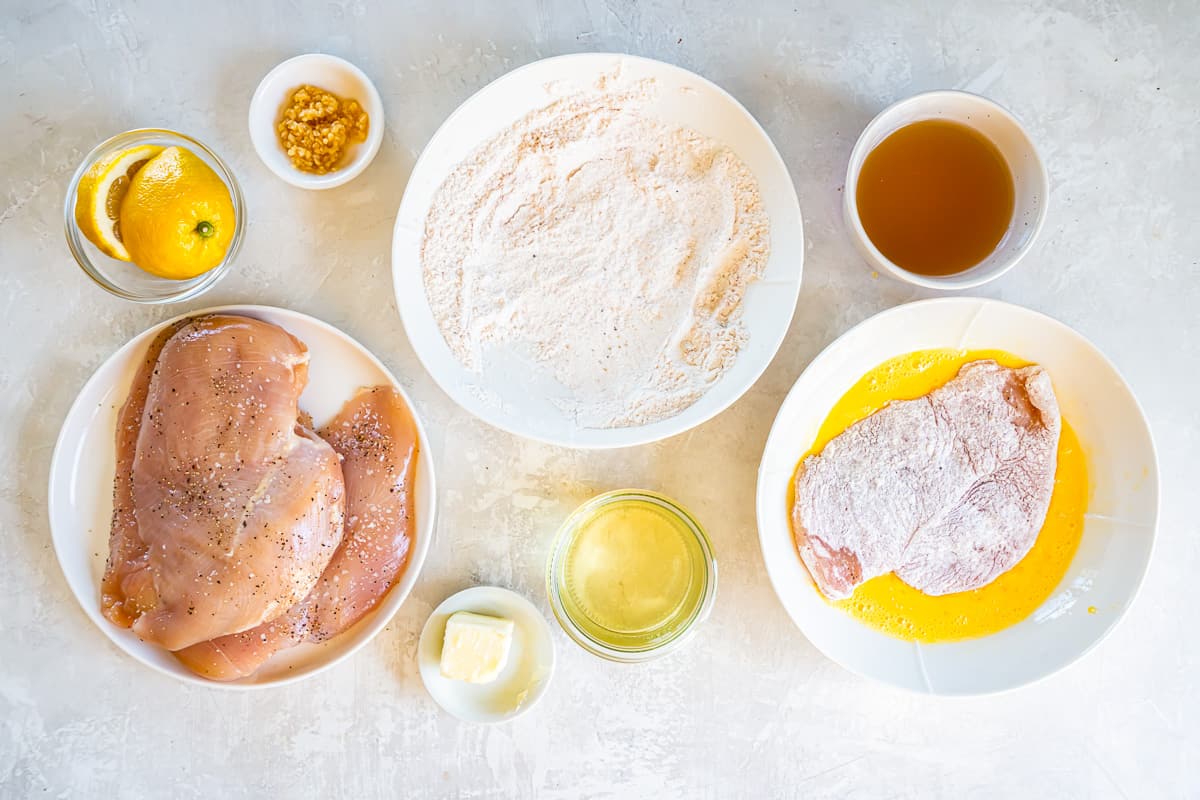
(188, 289)
(686, 630)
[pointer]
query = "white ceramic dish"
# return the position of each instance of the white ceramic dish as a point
(81, 475)
(334, 75)
(510, 399)
(525, 677)
(1118, 532)
(1030, 182)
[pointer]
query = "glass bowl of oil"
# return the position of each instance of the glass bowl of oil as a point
(631, 575)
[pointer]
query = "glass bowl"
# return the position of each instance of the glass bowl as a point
(664, 554)
(125, 279)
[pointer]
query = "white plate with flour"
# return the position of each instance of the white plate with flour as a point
(508, 384)
(81, 485)
(1119, 526)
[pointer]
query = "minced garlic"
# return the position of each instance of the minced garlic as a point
(316, 126)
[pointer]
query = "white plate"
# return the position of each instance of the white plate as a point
(81, 478)
(1118, 531)
(524, 678)
(514, 404)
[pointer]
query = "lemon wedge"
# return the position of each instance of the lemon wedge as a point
(101, 190)
(177, 219)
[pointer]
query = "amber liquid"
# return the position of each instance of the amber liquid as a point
(935, 197)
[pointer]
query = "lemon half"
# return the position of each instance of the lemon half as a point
(177, 219)
(101, 190)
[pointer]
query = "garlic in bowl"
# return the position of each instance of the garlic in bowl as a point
(316, 121)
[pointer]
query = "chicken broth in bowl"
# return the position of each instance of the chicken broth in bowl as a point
(936, 197)
(944, 190)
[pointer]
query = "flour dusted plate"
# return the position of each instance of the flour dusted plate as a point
(516, 398)
(81, 483)
(1119, 526)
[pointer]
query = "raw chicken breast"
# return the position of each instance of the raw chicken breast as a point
(376, 437)
(238, 508)
(127, 588)
(948, 491)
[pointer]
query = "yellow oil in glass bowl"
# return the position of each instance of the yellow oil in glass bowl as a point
(631, 575)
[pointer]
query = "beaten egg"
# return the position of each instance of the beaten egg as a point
(888, 604)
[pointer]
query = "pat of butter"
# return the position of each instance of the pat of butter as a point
(476, 647)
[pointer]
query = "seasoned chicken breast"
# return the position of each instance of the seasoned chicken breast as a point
(948, 491)
(376, 436)
(127, 588)
(228, 510)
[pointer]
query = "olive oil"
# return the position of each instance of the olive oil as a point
(632, 572)
(935, 197)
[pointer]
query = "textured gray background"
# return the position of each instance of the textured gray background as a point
(750, 709)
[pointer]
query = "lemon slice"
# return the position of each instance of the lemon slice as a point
(177, 218)
(101, 190)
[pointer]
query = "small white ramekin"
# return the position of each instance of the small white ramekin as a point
(1030, 182)
(524, 679)
(332, 74)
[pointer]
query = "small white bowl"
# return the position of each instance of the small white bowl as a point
(334, 75)
(524, 679)
(1030, 182)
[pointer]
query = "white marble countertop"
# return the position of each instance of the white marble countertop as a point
(750, 709)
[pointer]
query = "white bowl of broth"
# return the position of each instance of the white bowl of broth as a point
(945, 190)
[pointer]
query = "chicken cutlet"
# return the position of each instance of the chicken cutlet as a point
(948, 490)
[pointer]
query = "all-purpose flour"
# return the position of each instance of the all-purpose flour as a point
(602, 247)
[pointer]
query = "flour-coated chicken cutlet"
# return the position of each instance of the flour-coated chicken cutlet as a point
(948, 491)
(376, 436)
(238, 508)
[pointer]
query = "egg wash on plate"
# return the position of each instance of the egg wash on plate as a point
(888, 604)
